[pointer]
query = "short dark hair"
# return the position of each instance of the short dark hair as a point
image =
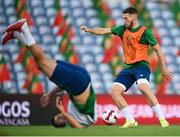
(56, 125)
(130, 10)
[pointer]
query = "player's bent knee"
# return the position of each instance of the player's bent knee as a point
(142, 87)
(143, 84)
(113, 93)
(117, 89)
(118, 86)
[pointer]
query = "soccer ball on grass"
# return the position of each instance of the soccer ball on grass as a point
(109, 117)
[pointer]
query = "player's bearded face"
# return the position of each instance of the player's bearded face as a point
(128, 20)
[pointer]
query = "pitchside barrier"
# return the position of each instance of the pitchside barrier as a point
(26, 109)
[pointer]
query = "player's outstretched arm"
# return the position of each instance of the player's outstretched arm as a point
(71, 120)
(165, 72)
(97, 31)
(45, 98)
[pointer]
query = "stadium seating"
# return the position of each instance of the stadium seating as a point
(88, 47)
(163, 20)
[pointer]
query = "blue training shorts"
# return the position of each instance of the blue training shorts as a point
(127, 77)
(72, 78)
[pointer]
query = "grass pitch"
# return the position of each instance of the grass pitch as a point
(91, 131)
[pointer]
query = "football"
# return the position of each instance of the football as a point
(109, 117)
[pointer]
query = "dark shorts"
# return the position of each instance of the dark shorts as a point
(127, 77)
(72, 78)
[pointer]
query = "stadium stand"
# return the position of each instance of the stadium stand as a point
(87, 48)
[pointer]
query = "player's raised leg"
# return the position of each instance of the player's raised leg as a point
(46, 65)
(21, 31)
